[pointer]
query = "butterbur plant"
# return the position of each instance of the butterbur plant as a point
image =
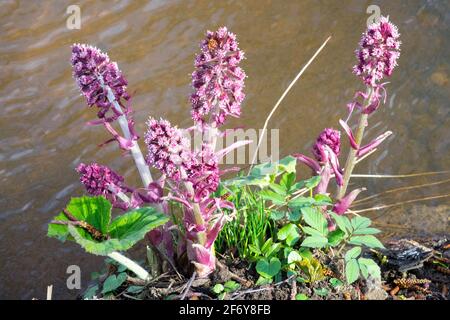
(189, 175)
(377, 54)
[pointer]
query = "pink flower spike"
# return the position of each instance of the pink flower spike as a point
(349, 133)
(313, 164)
(373, 144)
(342, 205)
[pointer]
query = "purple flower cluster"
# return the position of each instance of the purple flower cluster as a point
(91, 67)
(378, 52)
(168, 150)
(328, 137)
(102, 181)
(218, 81)
(204, 173)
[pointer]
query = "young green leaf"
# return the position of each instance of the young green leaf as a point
(279, 189)
(286, 231)
(288, 180)
(312, 182)
(315, 242)
(360, 222)
(218, 288)
(322, 292)
(113, 282)
(268, 268)
(301, 296)
(312, 232)
(353, 253)
(231, 286)
(351, 271)
(124, 231)
(288, 164)
(315, 219)
(368, 240)
(90, 292)
(277, 215)
(335, 237)
(364, 231)
(294, 215)
(135, 289)
(300, 202)
(336, 282)
(294, 256)
(96, 211)
(372, 267)
(276, 198)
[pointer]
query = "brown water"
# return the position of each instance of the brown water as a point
(42, 116)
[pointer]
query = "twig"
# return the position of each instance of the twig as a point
(240, 294)
(188, 286)
(281, 99)
(232, 275)
(400, 189)
(294, 289)
(382, 176)
(400, 203)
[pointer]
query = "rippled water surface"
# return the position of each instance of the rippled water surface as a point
(42, 117)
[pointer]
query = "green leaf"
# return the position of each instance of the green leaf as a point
(335, 237)
(294, 215)
(277, 215)
(288, 164)
(315, 242)
(312, 232)
(90, 292)
(260, 181)
(231, 286)
(342, 222)
(289, 233)
(294, 256)
(312, 182)
(301, 296)
(322, 199)
(288, 180)
(274, 197)
(113, 282)
(360, 222)
(124, 231)
(301, 202)
(274, 248)
(367, 231)
(315, 219)
(96, 211)
(218, 288)
(372, 267)
(336, 282)
(135, 289)
(353, 253)
(322, 292)
(279, 189)
(368, 240)
(263, 281)
(286, 231)
(351, 271)
(264, 169)
(268, 269)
